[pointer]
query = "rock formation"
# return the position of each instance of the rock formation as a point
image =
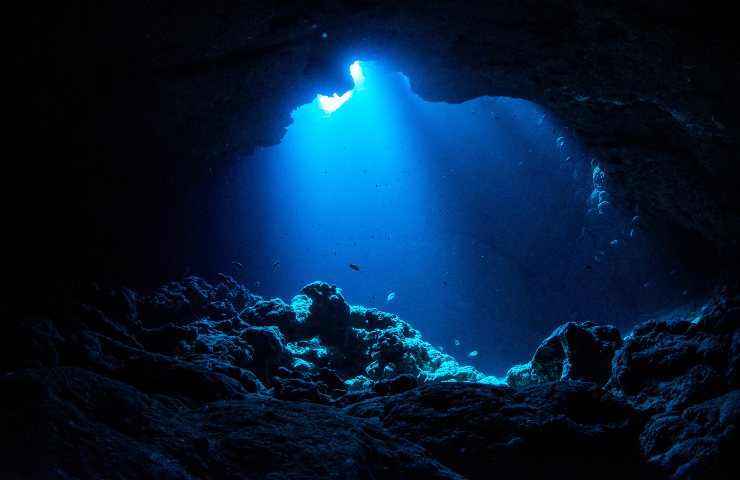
(201, 380)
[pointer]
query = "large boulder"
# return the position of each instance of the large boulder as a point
(670, 363)
(574, 351)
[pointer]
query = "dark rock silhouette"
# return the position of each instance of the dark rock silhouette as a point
(64, 422)
(559, 430)
(572, 352)
(198, 383)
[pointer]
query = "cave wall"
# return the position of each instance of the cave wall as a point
(118, 109)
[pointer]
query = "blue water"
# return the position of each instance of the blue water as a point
(479, 217)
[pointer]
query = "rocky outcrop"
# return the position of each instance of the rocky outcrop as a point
(209, 381)
(560, 431)
(66, 422)
(202, 343)
(682, 373)
(572, 352)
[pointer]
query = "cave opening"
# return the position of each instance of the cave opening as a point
(482, 224)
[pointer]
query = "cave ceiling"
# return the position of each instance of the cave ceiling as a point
(140, 99)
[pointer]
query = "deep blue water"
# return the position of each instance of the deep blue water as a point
(481, 218)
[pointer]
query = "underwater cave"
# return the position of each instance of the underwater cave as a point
(370, 240)
(483, 224)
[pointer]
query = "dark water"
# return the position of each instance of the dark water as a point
(481, 218)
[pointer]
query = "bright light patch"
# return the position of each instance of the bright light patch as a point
(330, 104)
(356, 71)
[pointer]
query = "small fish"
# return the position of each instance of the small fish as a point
(237, 265)
(614, 243)
(354, 267)
(647, 284)
(444, 283)
(391, 296)
(635, 219)
(457, 342)
(275, 264)
(222, 277)
(257, 284)
(632, 233)
(473, 353)
(588, 266)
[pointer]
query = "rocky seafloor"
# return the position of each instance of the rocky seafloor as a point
(207, 380)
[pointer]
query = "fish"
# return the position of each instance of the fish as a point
(444, 283)
(457, 342)
(473, 353)
(237, 264)
(257, 284)
(222, 277)
(614, 243)
(588, 266)
(635, 219)
(391, 296)
(275, 263)
(354, 267)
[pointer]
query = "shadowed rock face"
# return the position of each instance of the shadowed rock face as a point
(683, 375)
(199, 380)
(572, 352)
(70, 423)
(561, 430)
(118, 111)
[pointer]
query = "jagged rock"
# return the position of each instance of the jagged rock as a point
(322, 386)
(149, 372)
(168, 339)
(276, 313)
(71, 423)
(328, 314)
(310, 351)
(400, 384)
(391, 347)
(562, 430)
(671, 363)
(679, 373)
(192, 298)
(572, 352)
(702, 442)
(268, 349)
(674, 380)
(80, 316)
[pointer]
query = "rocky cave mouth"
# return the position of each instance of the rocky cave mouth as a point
(484, 224)
(199, 289)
